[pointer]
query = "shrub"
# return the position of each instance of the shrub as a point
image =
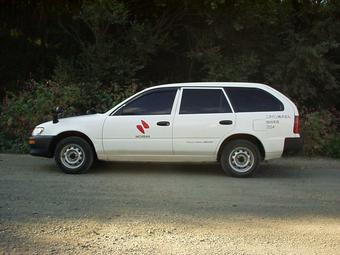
(332, 148)
(320, 133)
(20, 113)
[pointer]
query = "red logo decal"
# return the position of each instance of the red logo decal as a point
(145, 125)
(141, 127)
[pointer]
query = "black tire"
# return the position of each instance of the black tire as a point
(240, 158)
(78, 148)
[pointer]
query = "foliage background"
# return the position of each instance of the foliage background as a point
(91, 54)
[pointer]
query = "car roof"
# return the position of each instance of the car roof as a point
(211, 84)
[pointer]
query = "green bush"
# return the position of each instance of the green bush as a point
(332, 148)
(20, 113)
(320, 134)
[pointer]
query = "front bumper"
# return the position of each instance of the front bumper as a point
(292, 145)
(40, 145)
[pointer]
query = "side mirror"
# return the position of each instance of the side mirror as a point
(57, 111)
(91, 111)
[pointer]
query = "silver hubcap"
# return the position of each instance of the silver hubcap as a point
(72, 156)
(241, 159)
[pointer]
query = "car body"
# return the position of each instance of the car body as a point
(183, 122)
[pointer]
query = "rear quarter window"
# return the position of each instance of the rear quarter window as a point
(253, 100)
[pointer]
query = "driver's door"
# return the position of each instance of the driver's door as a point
(142, 127)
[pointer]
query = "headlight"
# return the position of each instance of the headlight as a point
(38, 131)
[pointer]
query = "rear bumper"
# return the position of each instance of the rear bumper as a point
(292, 145)
(40, 145)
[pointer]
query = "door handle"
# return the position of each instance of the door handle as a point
(163, 123)
(226, 122)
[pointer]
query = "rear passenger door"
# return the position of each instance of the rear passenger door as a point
(203, 118)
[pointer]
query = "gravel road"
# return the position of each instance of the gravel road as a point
(292, 206)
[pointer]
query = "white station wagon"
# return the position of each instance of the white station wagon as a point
(236, 124)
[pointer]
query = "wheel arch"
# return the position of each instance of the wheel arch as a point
(65, 134)
(243, 136)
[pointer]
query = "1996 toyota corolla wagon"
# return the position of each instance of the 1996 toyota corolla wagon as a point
(237, 124)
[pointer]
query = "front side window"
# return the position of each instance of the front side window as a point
(253, 100)
(152, 103)
(200, 101)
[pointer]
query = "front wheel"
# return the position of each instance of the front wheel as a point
(73, 155)
(240, 158)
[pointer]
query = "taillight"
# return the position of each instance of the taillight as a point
(296, 129)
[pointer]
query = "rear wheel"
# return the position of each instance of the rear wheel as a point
(240, 158)
(74, 155)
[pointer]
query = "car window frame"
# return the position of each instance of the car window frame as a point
(203, 88)
(138, 96)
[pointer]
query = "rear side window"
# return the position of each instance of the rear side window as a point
(196, 101)
(253, 100)
(152, 103)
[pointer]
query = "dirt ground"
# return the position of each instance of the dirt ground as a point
(292, 206)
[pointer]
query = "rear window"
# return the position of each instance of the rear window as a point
(253, 100)
(196, 101)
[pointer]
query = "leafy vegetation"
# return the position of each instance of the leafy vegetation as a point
(321, 133)
(20, 113)
(90, 54)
